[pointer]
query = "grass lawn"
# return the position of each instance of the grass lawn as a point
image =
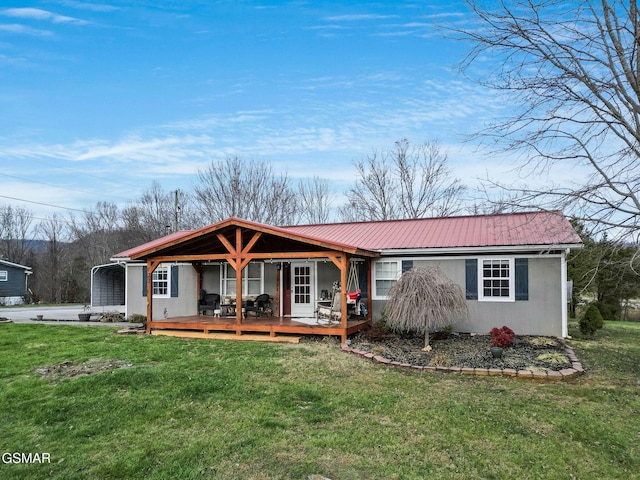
(187, 409)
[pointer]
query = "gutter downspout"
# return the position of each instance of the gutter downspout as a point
(563, 293)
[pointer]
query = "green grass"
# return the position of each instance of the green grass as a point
(190, 409)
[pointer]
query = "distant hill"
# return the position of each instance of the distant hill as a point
(38, 246)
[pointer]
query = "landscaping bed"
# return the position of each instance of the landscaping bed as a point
(464, 350)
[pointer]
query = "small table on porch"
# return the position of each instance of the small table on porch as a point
(229, 310)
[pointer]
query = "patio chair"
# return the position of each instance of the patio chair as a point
(334, 311)
(260, 306)
(211, 301)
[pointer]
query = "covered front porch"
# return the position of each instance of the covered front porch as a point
(237, 260)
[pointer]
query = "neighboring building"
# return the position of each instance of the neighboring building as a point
(13, 283)
(511, 266)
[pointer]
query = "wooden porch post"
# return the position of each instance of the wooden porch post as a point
(238, 267)
(198, 268)
(343, 292)
(276, 306)
(151, 266)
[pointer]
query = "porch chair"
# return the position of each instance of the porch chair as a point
(260, 306)
(211, 301)
(334, 311)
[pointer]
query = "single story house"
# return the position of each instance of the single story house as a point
(13, 283)
(511, 266)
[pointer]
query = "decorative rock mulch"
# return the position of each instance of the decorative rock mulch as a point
(469, 355)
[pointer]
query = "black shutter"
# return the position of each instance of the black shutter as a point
(471, 280)
(407, 265)
(522, 278)
(174, 280)
(144, 281)
(363, 281)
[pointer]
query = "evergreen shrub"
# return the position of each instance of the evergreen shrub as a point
(591, 320)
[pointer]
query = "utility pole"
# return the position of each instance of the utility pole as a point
(176, 211)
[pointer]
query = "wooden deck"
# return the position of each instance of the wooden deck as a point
(264, 325)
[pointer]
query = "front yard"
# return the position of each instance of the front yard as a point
(107, 406)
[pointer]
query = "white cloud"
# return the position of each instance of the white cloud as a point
(326, 27)
(38, 14)
(95, 7)
(5, 60)
(358, 17)
(24, 30)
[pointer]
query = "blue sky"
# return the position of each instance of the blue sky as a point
(97, 100)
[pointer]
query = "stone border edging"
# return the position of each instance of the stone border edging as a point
(564, 374)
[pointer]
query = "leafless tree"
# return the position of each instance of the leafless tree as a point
(315, 200)
(49, 273)
(373, 195)
(405, 182)
(426, 186)
(98, 232)
(572, 72)
(250, 190)
(156, 213)
(15, 232)
(104, 217)
(423, 300)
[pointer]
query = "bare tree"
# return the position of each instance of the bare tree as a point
(572, 71)
(315, 200)
(423, 300)
(98, 233)
(250, 190)
(105, 217)
(15, 231)
(406, 182)
(426, 186)
(50, 270)
(374, 193)
(156, 213)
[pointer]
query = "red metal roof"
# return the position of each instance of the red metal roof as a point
(503, 230)
(154, 243)
(515, 229)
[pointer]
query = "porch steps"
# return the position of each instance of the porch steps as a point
(248, 337)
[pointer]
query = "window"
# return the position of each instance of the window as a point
(252, 275)
(160, 281)
(228, 280)
(164, 281)
(252, 279)
(385, 275)
(496, 279)
(4, 275)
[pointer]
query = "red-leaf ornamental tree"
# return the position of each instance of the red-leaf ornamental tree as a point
(423, 299)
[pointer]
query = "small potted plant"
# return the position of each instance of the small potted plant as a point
(85, 316)
(501, 338)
